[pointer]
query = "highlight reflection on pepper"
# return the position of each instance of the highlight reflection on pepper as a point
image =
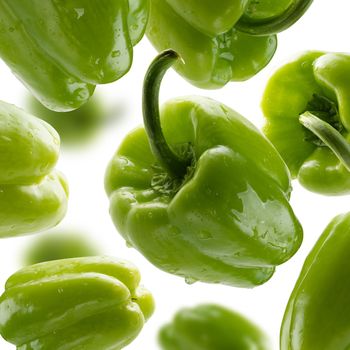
(175, 186)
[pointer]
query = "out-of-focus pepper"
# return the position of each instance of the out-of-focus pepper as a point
(221, 41)
(307, 109)
(56, 246)
(33, 196)
(74, 127)
(61, 49)
(203, 195)
(211, 327)
(317, 315)
(82, 303)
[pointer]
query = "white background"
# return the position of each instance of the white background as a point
(325, 27)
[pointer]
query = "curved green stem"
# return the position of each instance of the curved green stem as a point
(151, 117)
(329, 135)
(274, 25)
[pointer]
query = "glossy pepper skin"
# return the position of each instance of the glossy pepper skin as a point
(33, 195)
(317, 315)
(221, 41)
(82, 303)
(226, 218)
(319, 83)
(57, 246)
(61, 49)
(211, 327)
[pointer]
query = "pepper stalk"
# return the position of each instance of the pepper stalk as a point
(276, 24)
(330, 136)
(176, 165)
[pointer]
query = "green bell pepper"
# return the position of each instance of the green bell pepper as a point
(221, 41)
(74, 127)
(61, 49)
(205, 195)
(82, 303)
(306, 104)
(317, 315)
(33, 196)
(211, 327)
(57, 246)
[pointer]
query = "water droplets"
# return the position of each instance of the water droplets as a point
(80, 12)
(81, 94)
(237, 254)
(6, 139)
(129, 244)
(204, 235)
(116, 53)
(174, 231)
(190, 280)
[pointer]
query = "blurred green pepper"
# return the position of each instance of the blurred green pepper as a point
(82, 303)
(33, 196)
(211, 327)
(56, 246)
(221, 41)
(317, 315)
(204, 196)
(74, 127)
(307, 109)
(61, 49)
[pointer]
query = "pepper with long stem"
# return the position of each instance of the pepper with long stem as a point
(189, 195)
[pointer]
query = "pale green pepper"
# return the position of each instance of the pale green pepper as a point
(82, 303)
(307, 110)
(33, 195)
(211, 327)
(57, 246)
(200, 192)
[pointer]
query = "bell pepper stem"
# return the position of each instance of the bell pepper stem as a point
(328, 135)
(151, 116)
(277, 24)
